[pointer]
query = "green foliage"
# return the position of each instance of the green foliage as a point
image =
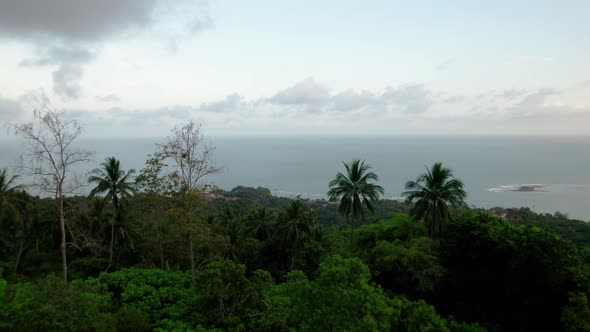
(341, 298)
(527, 272)
(161, 295)
(228, 299)
(407, 266)
(132, 320)
(401, 257)
(398, 227)
(507, 275)
(296, 224)
(576, 315)
(415, 316)
(49, 305)
(577, 231)
(5, 322)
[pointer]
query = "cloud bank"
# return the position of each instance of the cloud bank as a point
(311, 108)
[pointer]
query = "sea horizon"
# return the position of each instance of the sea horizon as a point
(492, 167)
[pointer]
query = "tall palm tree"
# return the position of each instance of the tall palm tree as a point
(8, 197)
(111, 180)
(434, 193)
(296, 223)
(12, 201)
(355, 189)
(260, 223)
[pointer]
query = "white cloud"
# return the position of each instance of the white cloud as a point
(411, 98)
(351, 100)
(110, 98)
(406, 109)
(307, 92)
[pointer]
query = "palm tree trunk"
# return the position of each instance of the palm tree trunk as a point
(18, 255)
(160, 247)
(62, 228)
(433, 220)
(21, 247)
(352, 231)
(158, 213)
(112, 234)
(293, 259)
(161, 255)
(191, 254)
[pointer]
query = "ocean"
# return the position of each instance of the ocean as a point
(546, 174)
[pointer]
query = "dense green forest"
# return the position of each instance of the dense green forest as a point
(158, 250)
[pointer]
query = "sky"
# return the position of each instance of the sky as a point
(258, 68)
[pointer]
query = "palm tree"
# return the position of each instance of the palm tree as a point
(433, 194)
(355, 189)
(296, 223)
(260, 223)
(113, 181)
(8, 198)
(12, 199)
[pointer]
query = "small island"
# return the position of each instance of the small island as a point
(530, 188)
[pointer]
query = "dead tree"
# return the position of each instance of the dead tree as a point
(50, 158)
(192, 159)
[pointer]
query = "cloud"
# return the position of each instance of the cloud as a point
(59, 55)
(537, 105)
(15, 109)
(108, 98)
(231, 103)
(311, 96)
(411, 98)
(349, 100)
(586, 83)
(536, 99)
(453, 100)
(73, 20)
(405, 109)
(307, 92)
(69, 72)
(510, 94)
(444, 65)
(66, 81)
(9, 109)
(34, 99)
(69, 33)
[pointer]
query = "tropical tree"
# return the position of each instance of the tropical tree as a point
(192, 160)
(260, 223)
(156, 188)
(8, 190)
(12, 198)
(354, 190)
(433, 194)
(296, 224)
(111, 180)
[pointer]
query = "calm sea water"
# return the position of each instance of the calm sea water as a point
(491, 167)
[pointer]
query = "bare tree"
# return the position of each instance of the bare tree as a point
(192, 159)
(50, 158)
